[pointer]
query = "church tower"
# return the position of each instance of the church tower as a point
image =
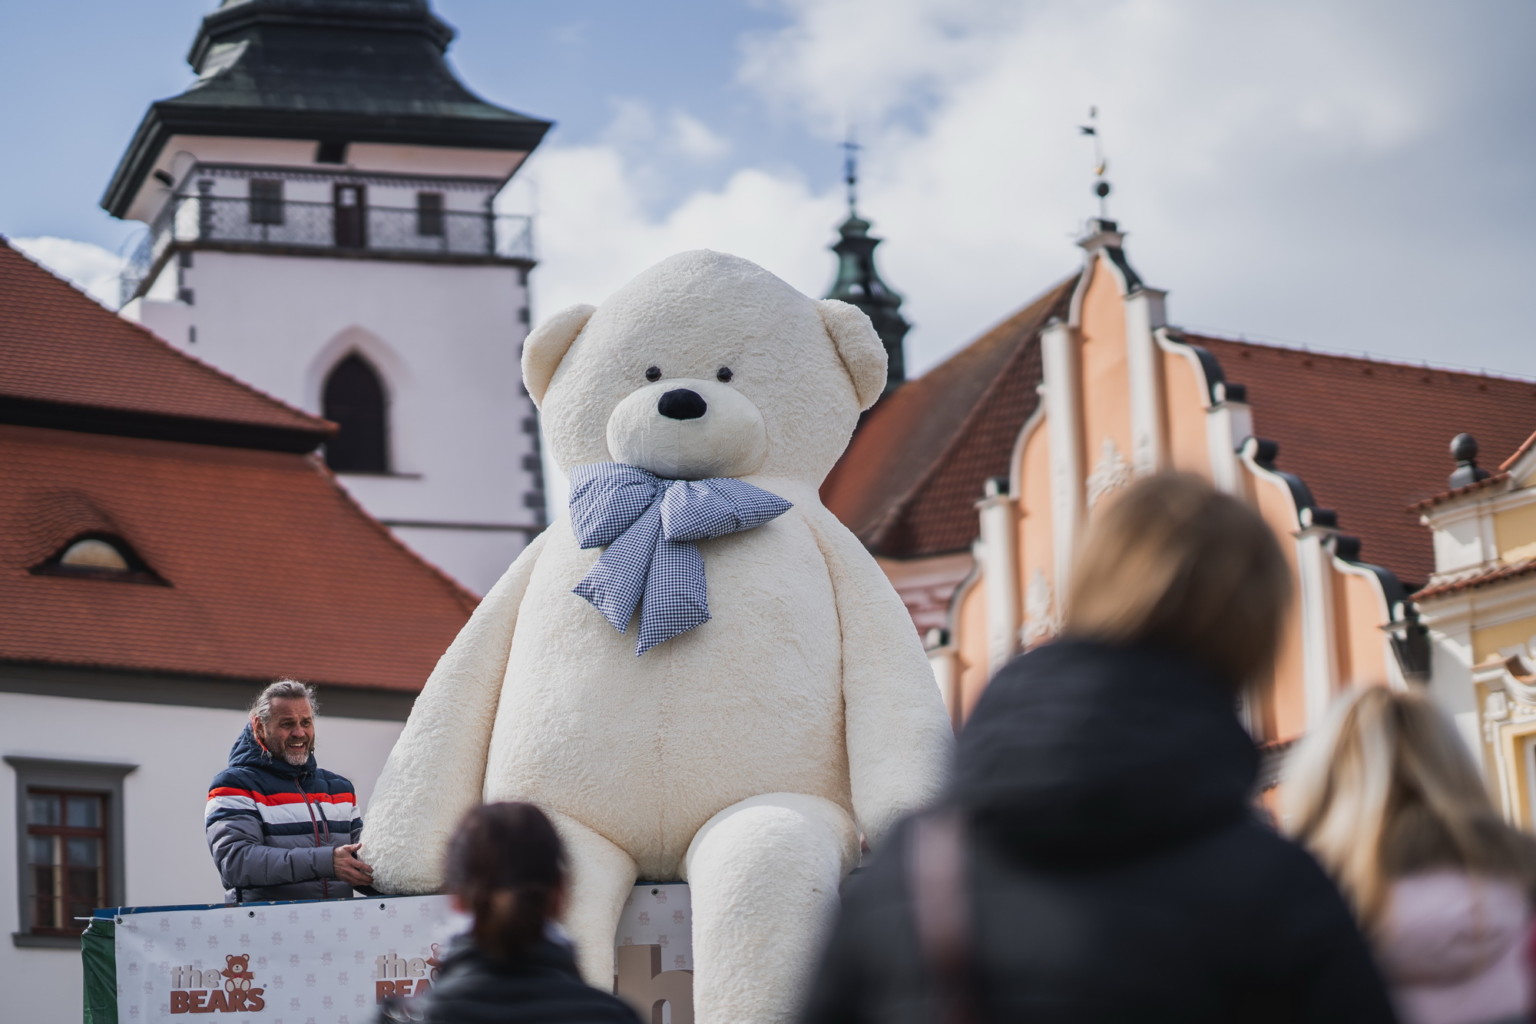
(321, 224)
(859, 283)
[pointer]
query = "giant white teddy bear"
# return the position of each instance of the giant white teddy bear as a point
(744, 754)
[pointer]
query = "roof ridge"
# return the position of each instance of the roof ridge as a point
(1375, 359)
(1525, 446)
(895, 508)
(458, 589)
(318, 424)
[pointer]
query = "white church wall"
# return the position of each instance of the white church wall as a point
(446, 340)
(178, 750)
(475, 561)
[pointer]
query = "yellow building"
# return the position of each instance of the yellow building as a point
(1480, 610)
(972, 483)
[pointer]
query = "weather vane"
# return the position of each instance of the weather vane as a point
(851, 169)
(1100, 165)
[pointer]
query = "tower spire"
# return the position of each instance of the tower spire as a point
(859, 283)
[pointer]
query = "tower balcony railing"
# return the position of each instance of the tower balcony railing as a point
(192, 220)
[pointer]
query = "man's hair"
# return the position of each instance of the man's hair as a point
(1175, 563)
(283, 689)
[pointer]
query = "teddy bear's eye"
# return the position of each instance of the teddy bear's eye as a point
(653, 373)
(724, 375)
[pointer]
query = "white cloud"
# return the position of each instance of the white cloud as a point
(90, 267)
(595, 231)
(1314, 170)
(693, 138)
(1218, 120)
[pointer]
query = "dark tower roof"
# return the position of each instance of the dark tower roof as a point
(334, 71)
(859, 283)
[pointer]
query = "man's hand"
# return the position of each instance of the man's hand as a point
(349, 868)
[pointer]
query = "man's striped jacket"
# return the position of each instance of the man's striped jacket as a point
(272, 826)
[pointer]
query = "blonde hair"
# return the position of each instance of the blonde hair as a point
(1386, 787)
(1175, 563)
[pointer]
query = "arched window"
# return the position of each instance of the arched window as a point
(354, 400)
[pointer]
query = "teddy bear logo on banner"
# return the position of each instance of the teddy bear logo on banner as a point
(698, 672)
(238, 971)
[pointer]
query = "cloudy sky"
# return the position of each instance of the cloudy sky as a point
(1349, 176)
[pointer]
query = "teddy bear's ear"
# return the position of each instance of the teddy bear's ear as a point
(858, 346)
(546, 346)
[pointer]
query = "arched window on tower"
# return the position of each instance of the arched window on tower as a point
(354, 400)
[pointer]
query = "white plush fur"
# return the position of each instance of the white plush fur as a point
(744, 756)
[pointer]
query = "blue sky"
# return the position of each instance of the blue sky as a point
(1354, 177)
(79, 74)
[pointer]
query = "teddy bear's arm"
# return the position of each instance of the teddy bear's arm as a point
(436, 770)
(898, 733)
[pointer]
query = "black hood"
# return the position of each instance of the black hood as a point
(247, 753)
(1084, 751)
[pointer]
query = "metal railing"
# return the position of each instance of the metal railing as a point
(325, 227)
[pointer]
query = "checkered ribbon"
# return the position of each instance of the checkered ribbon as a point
(650, 524)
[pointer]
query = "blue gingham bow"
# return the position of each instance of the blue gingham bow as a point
(649, 524)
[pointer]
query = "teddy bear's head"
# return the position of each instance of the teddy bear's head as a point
(237, 964)
(705, 365)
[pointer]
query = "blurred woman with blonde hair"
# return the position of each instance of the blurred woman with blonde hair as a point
(1385, 793)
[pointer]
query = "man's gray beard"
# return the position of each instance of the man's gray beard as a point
(302, 759)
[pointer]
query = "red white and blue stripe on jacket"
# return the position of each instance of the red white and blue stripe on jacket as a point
(271, 826)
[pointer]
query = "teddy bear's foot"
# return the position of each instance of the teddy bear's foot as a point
(764, 875)
(601, 878)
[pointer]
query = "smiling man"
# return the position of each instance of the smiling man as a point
(279, 826)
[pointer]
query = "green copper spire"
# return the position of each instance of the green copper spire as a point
(858, 282)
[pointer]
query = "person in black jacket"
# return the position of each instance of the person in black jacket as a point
(1097, 856)
(507, 868)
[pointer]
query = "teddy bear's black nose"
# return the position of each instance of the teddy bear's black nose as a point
(682, 404)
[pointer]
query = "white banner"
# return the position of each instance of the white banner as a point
(333, 962)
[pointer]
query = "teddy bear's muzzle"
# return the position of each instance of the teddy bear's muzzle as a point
(688, 428)
(682, 404)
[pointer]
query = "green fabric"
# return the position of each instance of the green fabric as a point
(98, 955)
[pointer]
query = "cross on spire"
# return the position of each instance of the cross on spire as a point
(1100, 165)
(851, 170)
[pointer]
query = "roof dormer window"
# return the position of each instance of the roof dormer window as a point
(94, 553)
(100, 556)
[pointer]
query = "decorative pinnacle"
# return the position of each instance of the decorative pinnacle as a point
(1100, 165)
(851, 171)
(1464, 451)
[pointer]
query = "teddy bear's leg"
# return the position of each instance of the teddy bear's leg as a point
(763, 875)
(601, 877)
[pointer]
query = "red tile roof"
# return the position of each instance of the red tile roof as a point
(272, 569)
(1366, 436)
(1491, 480)
(1494, 575)
(1509, 463)
(1369, 437)
(59, 348)
(909, 482)
(268, 568)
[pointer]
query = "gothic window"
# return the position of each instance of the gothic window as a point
(354, 400)
(429, 213)
(266, 201)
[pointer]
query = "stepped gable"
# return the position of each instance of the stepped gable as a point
(66, 361)
(909, 482)
(249, 562)
(1363, 434)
